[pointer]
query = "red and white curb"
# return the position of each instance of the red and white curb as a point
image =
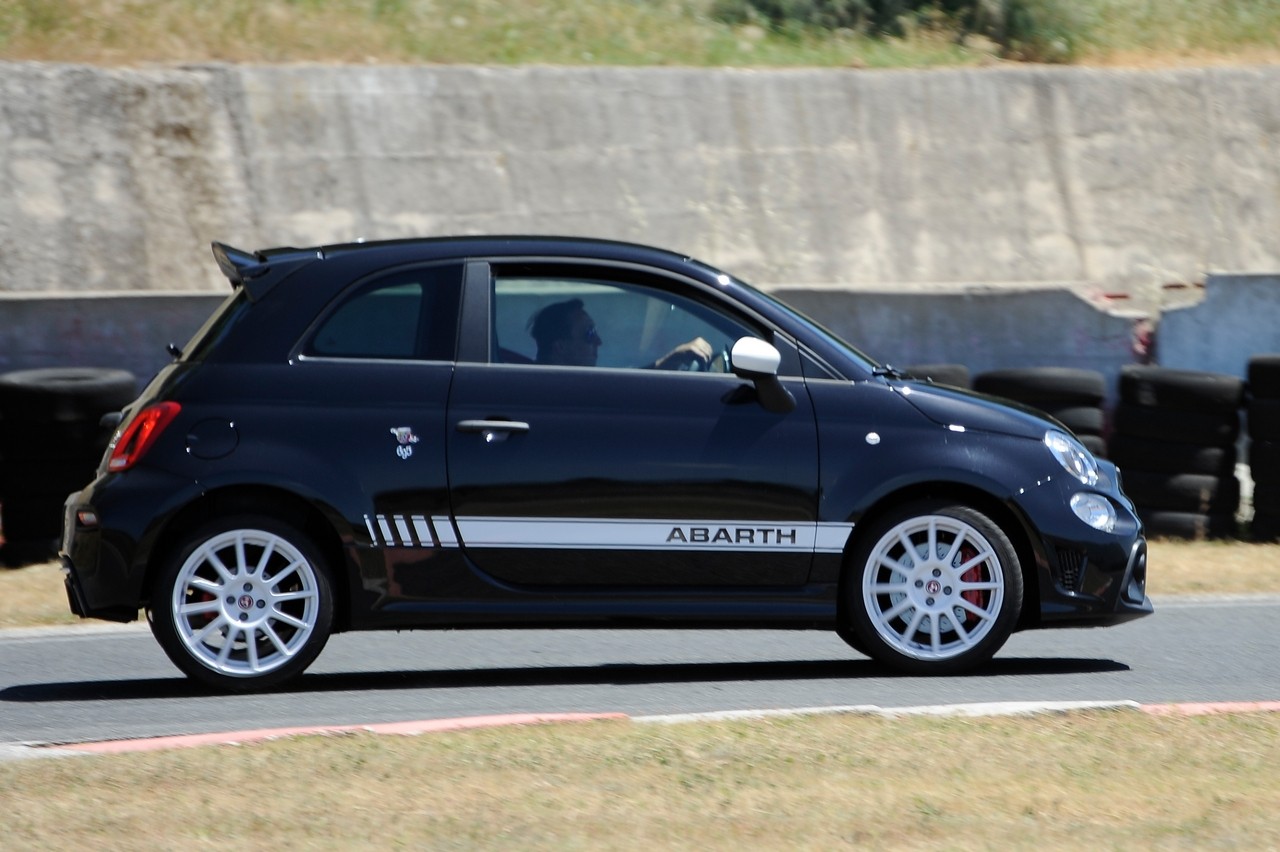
(18, 751)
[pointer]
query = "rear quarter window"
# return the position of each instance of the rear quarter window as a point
(409, 315)
(216, 327)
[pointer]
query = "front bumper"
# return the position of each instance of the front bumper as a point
(1088, 577)
(1089, 591)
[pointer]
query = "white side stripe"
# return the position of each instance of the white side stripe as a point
(831, 538)
(608, 534)
(425, 538)
(402, 527)
(444, 531)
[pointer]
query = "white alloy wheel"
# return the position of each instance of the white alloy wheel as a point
(937, 591)
(247, 607)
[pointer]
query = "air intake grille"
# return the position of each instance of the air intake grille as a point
(1070, 569)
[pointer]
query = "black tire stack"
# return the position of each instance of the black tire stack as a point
(51, 442)
(1263, 413)
(1072, 396)
(1174, 441)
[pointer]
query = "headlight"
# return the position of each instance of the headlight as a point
(1095, 510)
(1072, 455)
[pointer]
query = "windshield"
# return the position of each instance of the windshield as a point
(813, 330)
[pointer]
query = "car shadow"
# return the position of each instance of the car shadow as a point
(624, 674)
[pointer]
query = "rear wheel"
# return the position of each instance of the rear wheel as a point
(934, 589)
(244, 603)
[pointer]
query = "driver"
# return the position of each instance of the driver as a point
(566, 335)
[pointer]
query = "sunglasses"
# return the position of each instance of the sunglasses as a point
(592, 337)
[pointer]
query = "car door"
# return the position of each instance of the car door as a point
(371, 380)
(627, 472)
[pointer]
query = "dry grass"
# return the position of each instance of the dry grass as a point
(1116, 780)
(1111, 780)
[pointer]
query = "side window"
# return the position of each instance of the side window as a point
(588, 321)
(407, 315)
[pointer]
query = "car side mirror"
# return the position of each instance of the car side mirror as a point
(757, 361)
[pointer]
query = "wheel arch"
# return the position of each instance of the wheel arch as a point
(1003, 514)
(277, 503)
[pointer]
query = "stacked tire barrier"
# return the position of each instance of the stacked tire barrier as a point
(1174, 440)
(1263, 414)
(1073, 397)
(51, 442)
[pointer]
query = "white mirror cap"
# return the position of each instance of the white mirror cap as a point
(753, 355)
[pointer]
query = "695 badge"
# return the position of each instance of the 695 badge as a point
(405, 439)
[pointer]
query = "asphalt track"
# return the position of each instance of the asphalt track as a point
(95, 689)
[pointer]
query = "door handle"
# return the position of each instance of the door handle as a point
(493, 430)
(492, 426)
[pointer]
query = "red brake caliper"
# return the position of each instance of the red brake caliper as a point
(205, 597)
(973, 575)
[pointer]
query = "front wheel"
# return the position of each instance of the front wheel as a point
(934, 589)
(242, 604)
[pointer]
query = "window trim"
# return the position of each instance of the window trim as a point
(482, 276)
(354, 290)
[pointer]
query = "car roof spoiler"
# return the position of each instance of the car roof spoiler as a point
(258, 271)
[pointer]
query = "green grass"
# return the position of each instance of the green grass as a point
(610, 32)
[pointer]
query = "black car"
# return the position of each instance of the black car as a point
(508, 432)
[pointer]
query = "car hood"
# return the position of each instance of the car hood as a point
(972, 411)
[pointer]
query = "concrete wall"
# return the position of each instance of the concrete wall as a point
(127, 331)
(981, 217)
(1116, 182)
(1238, 318)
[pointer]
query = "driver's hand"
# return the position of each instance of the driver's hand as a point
(697, 351)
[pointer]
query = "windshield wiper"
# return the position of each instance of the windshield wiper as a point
(889, 371)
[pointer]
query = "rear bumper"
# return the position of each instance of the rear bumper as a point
(85, 558)
(104, 553)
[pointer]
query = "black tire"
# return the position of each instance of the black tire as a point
(73, 436)
(922, 638)
(953, 375)
(1061, 385)
(1080, 419)
(1170, 457)
(851, 639)
(181, 612)
(1265, 527)
(33, 519)
(1205, 428)
(36, 477)
(1161, 523)
(1264, 420)
(64, 394)
(19, 554)
(1266, 499)
(1183, 390)
(1183, 492)
(1095, 444)
(1264, 376)
(1264, 461)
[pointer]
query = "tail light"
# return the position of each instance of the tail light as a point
(140, 433)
